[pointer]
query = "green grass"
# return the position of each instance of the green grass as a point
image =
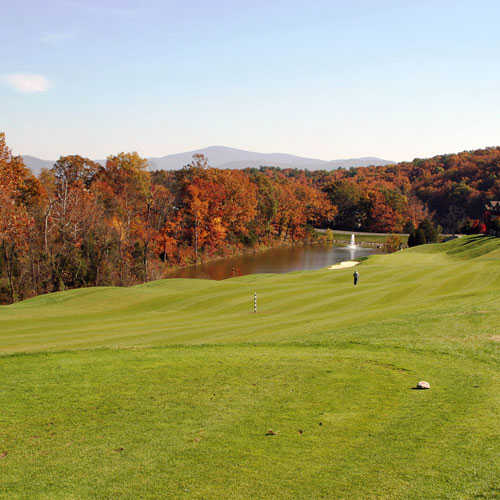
(167, 389)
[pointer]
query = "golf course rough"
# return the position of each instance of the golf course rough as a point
(168, 389)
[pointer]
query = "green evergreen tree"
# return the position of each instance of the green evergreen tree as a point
(420, 238)
(430, 231)
(411, 239)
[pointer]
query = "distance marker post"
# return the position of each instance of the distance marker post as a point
(255, 302)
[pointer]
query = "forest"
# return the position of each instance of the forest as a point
(84, 224)
(452, 190)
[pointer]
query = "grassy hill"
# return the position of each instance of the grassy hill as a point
(168, 389)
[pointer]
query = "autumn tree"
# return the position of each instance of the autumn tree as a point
(123, 188)
(18, 190)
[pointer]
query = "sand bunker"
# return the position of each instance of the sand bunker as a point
(343, 265)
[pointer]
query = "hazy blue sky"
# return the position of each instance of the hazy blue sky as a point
(325, 79)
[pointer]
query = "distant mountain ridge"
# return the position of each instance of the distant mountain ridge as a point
(36, 164)
(232, 158)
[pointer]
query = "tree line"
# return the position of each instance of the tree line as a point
(451, 190)
(84, 224)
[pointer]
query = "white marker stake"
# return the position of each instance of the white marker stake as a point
(255, 302)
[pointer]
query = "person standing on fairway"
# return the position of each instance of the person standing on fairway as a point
(356, 277)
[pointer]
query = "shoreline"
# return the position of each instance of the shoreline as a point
(345, 264)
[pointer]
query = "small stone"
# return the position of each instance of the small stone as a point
(270, 432)
(423, 385)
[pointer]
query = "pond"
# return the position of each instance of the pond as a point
(276, 260)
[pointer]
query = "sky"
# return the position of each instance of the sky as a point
(325, 79)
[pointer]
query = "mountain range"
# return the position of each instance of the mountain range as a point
(231, 158)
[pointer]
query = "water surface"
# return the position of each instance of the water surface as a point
(277, 260)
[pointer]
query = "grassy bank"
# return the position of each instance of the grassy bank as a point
(343, 236)
(178, 383)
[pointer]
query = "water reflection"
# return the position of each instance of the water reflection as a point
(278, 260)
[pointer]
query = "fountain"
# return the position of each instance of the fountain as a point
(352, 247)
(352, 244)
